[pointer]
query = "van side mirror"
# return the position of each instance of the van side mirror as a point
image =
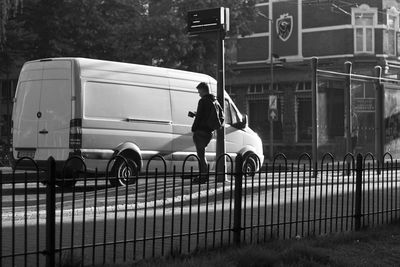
(243, 123)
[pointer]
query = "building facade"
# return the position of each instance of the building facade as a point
(291, 32)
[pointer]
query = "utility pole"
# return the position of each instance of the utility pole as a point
(314, 111)
(272, 107)
(221, 167)
(347, 107)
(271, 120)
(215, 20)
(379, 115)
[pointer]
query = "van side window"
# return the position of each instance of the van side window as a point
(228, 116)
(234, 115)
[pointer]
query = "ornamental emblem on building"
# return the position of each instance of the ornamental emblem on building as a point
(284, 26)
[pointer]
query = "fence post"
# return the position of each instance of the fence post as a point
(237, 213)
(50, 213)
(358, 200)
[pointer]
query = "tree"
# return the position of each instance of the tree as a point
(6, 6)
(169, 43)
(85, 28)
(151, 32)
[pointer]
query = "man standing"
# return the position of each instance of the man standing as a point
(202, 133)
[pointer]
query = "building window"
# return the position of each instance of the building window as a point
(303, 86)
(389, 34)
(304, 119)
(259, 121)
(364, 20)
(335, 112)
(256, 88)
(398, 43)
(259, 88)
(275, 88)
(361, 89)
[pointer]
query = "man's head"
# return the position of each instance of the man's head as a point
(203, 89)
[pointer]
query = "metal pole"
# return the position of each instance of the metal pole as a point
(347, 107)
(237, 212)
(271, 122)
(314, 110)
(50, 213)
(220, 97)
(379, 127)
(358, 194)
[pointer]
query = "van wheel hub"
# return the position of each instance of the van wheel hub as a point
(124, 172)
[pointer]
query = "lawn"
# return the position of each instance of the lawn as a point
(378, 246)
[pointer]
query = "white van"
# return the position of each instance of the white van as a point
(99, 109)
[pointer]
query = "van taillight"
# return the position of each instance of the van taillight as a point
(75, 134)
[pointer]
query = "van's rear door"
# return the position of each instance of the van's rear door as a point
(42, 110)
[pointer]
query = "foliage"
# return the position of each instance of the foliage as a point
(146, 31)
(6, 7)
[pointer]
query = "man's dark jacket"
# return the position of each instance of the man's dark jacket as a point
(204, 108)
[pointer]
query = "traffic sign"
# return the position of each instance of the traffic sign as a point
(273, 102)
(208, 20)
(273, 114)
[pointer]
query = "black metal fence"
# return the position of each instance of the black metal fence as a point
(48, 221)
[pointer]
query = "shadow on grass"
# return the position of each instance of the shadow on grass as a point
(341, 249)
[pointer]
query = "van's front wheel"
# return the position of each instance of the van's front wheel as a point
(250, 165)
(124, 172)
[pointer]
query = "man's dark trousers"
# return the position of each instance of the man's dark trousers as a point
(201, 139)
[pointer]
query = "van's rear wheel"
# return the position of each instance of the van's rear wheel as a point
(124, 172)
(73, 172)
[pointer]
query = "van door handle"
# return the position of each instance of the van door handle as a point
(44, 131)
(149, 121)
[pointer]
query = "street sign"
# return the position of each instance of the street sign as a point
(273, 102)
(208, 20)
(273, 114)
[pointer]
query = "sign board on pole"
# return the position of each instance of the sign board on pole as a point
(273, 108)
(208, 20)
(273, 102)
(273, 114)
